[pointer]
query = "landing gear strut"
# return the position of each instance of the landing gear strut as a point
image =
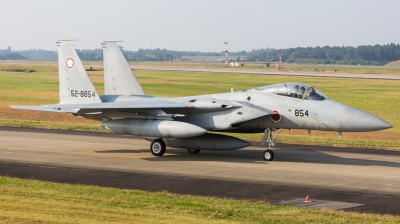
(268, 155)
(157, 147)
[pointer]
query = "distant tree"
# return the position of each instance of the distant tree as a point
(12, 56)
(363, 54)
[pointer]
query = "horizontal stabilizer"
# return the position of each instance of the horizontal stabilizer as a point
(46, 108)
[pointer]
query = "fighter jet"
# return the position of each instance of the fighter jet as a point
(193, 122)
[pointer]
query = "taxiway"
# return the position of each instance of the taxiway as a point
(284, 73)
(365, 180)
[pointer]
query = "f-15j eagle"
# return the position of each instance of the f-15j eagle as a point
(184, 122)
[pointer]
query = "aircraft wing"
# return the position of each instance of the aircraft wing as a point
(132, 106)
(99, 107)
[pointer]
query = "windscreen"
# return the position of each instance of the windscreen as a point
(294, 90)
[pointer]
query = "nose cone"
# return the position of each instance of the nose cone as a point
(358, 120)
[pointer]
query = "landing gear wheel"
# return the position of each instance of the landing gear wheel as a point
(157, 147)
(268, 155)
(194, 151)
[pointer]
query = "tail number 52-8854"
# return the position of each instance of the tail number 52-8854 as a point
(76, 93)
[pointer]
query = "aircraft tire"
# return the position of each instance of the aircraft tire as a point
(193, 151)
(268, 155)
(157, 147)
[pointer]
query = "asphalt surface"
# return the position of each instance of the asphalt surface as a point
(242, 71)
(285, 73)
(368, 179)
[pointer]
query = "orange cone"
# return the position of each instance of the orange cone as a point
(307, 199)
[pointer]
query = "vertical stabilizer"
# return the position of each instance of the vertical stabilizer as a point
(118, 76)
(75, 84)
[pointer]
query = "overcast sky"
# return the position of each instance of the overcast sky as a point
(202, 25)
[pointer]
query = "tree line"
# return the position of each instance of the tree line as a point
(97, 54)
(364, 54)
(7, 54)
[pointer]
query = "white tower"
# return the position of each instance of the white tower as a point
(226, 53)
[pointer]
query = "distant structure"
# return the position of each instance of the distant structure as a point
(226, 53)
(236, 64)
(279, 63)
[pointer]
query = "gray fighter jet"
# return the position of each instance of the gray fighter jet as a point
(185, 122)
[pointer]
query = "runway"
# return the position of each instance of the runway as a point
(236, 70)
(367, 179)
(284, 73)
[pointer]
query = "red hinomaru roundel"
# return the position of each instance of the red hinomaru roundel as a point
(276, 117)
(70, 62)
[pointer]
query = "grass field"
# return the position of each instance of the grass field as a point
(29, 201)
(98, 65)
(286, 67)
(379, 97)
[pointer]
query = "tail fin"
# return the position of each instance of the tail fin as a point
(75, 84)
(118, 76)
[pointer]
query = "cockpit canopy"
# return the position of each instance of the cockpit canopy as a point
(294, 90)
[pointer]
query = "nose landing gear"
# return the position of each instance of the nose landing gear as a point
(268, 155)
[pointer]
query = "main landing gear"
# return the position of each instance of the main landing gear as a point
(193, 151)
(268, 155)
(157, 148)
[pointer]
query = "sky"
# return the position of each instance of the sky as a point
(188, 25)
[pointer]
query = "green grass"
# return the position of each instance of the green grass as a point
(28, 67)
(51, 125)
(286, 67)
(332, 140)
(344, 69)
(379, 97)
(28, 201)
